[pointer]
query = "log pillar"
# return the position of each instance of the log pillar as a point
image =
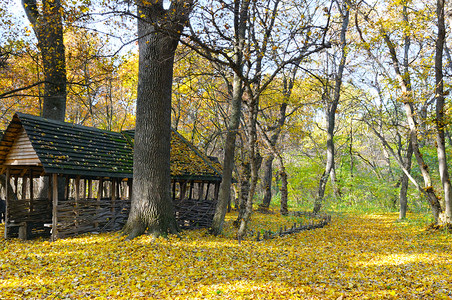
(7, 196)
(77, 199)
(55, 207)
(31, 190)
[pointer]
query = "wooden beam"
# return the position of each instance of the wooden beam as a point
(66, 187)
(113, 199)
(7, 196)
(24, 186)
(24, 171)
(190, 194)
(217, 190)
(16, 179)
(55, 207)
(77, 199)
(49, 186)
(130, 185)
(90, 188)
(183, 190)
(200, 190)
(174, 190)
(31, 190)
(99, 197)
(207, 190)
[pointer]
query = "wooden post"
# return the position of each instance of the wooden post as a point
(7, 196)
(190, 194)
(183, 190)
(207, 190)
(31, 189)
(77, 199)
(24, 187)
(55, 207)
(174, 190)
(66, 189)
(200, 190)
(49, 190)
(90, 188)
(129, 184)
(217, 190)
(16, 179)
(99, 197)
(113, 195)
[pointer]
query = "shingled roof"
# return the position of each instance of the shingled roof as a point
(65, 148)
(187, 162)
(71, 149)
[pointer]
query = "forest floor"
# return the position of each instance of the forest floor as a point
(355, 257)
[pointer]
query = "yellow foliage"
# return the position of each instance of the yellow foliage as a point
(355, 257)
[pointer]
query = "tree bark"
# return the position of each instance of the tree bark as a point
(403, 199)
(440, 120)
(332, 112)
(254, 166)
(240, 22)
(48, 28)
(267, 181)
(159, 32)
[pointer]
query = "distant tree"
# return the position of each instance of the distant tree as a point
(159, 31)
(332, 100)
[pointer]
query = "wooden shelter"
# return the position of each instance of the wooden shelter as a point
(70, 179)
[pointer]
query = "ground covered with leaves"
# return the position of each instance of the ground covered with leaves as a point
(355, 257)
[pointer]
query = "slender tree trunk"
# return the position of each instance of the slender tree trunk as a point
(405, 84)
(440, 121)
(332, 113)
(240, 22)
(350, 151)
(284, 191)
(152, 208)
(228, 161)
(403, 199)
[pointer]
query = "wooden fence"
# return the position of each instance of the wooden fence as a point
(319, 222)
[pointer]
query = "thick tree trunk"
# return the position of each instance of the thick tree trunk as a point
(284, 192)
(254, 165)
(244, 188)
(152, 207)
(267, 181)
(48, 28)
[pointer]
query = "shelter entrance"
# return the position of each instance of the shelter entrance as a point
(58, 206)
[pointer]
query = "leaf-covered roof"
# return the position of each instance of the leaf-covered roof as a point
(72, 149)
(187, 162)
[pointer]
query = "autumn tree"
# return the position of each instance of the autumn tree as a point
(440, 111)
(416, 115)
(159, 31)
(47, 23)
(332, 104)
